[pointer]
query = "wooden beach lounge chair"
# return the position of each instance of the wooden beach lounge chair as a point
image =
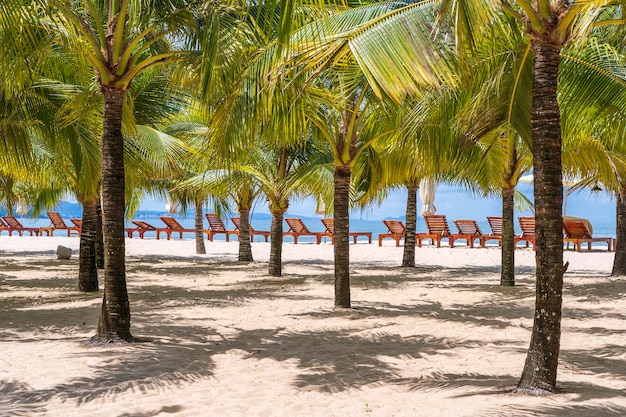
(297, 228)
(470, 231)
(78, 223)
(495, 223)
(437, 226)
(57, 223)
(172, 227)
(216, 226)
(141, 228)
(4, 226)
(527, 224)
(577, 232)
(395, 231)
(14, 225)
(329, 224)
(253, 232)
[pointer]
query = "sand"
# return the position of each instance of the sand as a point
(224, 339)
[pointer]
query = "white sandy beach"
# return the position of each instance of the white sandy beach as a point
(224, 339)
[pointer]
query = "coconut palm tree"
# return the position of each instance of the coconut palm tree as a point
(550, 25)
(350, 120)
(395, 65)
(120, 40)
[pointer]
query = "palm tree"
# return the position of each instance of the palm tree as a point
(403, 166)
(350, 122)
(550, 25)
(119, 43)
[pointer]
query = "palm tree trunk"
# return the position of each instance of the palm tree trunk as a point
(114, 323)
(87, 269)
(199, 227)
(619, 261)
(342, 236)
(540, 369)
(507, 275)
(99, 236)
(276, 244)
(245, 247)
(408, 258)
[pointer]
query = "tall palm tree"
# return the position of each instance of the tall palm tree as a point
(394, 59)
(551, 25)
(119, 40)
(352, 119)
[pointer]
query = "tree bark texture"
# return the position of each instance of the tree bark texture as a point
(87, 267)
(342, 236)
(507, 275)
(114, 323)
(99, 236)
(540, 370)
(245, 246)
(198, 222)
(276, 244)
(408, 257)
(619, 261)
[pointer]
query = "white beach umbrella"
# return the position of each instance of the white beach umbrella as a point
(171, 206)
(320, 207)
(427, 195)
(21, 208)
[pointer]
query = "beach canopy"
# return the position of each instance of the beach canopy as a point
(427, 195)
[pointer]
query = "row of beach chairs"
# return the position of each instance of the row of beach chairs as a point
(576, 231)
(11, 225)
(297, 228)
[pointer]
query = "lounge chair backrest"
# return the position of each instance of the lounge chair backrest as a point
(329, 224)
(468, 227)
(395, 226)
(12, 222)
(77, 222)
(576, 229)
(297, 226)
(580, 219)
(527, 224)
(236, 221)
(2, 223)
(143, 225)
(215, 223)
(171, 222)
(495, 222)
(437, 224)
(56, 220)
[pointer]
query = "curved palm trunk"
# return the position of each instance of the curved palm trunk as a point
(342, 235)
(276, 244)
(507, 275)
(87, 268)
(99, 236)
(199, 227)
(408, 258)
(540, 369)
(619, 262)
(245, 247)
(114, 323)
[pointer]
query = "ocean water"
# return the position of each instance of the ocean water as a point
(263, 222)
